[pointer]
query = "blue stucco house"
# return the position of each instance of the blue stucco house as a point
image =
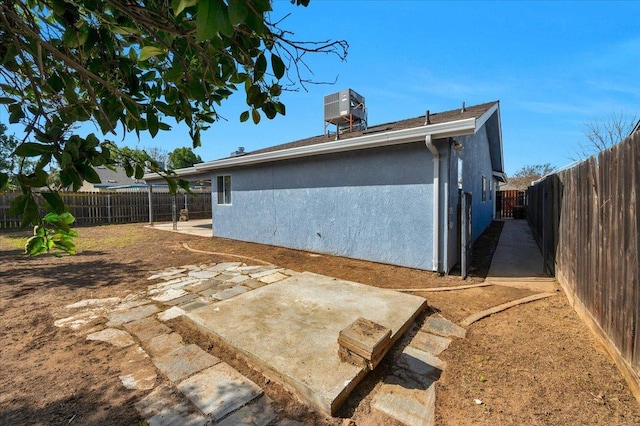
(389, 194)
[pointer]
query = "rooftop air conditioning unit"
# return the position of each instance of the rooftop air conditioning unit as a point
(345, 109)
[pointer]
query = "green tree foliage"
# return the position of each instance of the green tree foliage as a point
(10, 164)
(180, 158)
(130, 65)
(527, 174)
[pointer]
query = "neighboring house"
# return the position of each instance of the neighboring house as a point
(113, 181)
(388, 194)
(636, 129)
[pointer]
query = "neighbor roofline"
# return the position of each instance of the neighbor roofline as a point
(447, 129)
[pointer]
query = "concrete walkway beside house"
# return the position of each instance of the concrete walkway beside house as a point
(517, 261)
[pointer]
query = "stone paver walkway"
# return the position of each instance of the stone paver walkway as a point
(181, 384)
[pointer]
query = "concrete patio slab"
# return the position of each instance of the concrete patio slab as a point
(289, 330)
(219, 390)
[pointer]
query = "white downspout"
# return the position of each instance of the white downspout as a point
(436, 202)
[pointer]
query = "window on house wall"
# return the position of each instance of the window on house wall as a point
(484, 188)
(224, 189)
(491, 190)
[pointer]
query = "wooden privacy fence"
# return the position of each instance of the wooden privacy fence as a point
(586, 222)
(94, 208)
(506, 200)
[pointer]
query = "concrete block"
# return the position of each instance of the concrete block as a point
(185, 361)
(430, 343)
(257, 413)
(133, 314)
(163, 344)
(365, 338)
(116, 337)
(219, 390)
(146, 328)
(437, 324)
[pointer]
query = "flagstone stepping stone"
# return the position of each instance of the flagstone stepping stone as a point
(184, 361)
(272, 278)
(169, 294)
(418, 365)
(147, 328)
(118, 338)
(238, 279)
(219, 390)
(264, 273)
(162, 407)
(230, 292)
(137, 371)
(431, 343)
(171, 313)
(119, 318)
(224, 266)
(189, 297)
(410, 406)
(437, 324)
(94, 302)
(257, 413)
(163, 344)
(203, 274)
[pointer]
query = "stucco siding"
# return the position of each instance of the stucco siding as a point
(374, 205)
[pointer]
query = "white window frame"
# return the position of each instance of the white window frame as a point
(223, 184)
(484, 188)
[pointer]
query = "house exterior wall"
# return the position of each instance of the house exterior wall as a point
(374, 205)
(476, 162)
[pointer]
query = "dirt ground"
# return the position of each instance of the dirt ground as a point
(533, 364)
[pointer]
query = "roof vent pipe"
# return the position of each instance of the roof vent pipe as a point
(427, 118)
(463, 107)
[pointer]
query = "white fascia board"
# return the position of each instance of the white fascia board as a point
(487, 114)
(396, 137)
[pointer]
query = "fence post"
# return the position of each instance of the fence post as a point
(150, 205)
(108, 208)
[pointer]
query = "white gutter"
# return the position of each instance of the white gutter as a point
(414, 134)
(436, 202)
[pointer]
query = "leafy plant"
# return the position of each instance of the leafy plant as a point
(130, 65)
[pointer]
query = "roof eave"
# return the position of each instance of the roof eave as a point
(440, 130)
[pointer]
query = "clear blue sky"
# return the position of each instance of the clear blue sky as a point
(552, 65)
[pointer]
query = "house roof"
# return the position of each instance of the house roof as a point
(635, 129)
(434, 118)
(114, 178)
(441, 125)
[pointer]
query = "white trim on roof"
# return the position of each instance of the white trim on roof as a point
(415, 134)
